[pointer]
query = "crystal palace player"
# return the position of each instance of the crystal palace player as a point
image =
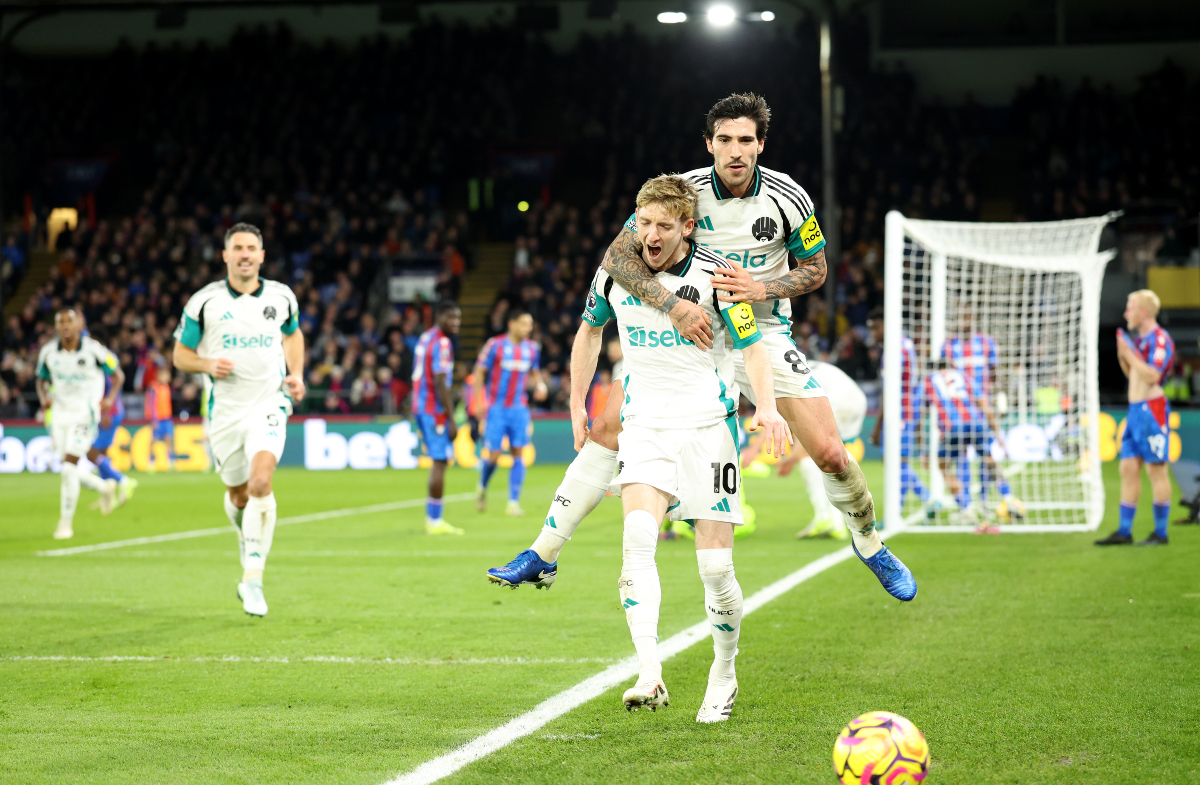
(244, 332)
(909, 381)
(501, 374)
(1145, 356)
(974, 353)
(758, 219)
(964, 420)
(433, 405)
(110, 420)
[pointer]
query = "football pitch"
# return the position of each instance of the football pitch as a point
(1024, 658)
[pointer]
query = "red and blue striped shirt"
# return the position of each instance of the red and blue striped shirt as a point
(508, 364)
(1156, 348)
(947, 392)
(976, 357)
(908, 378)
(434, 354)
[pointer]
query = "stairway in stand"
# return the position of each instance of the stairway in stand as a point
(40, 263)
(479, 292)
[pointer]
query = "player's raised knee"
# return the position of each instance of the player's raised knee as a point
(830, 456)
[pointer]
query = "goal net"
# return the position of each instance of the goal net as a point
(991, 400)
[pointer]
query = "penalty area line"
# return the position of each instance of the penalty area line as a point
(188, 535)
(554, 707)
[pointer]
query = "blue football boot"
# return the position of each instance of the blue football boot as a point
(528, 567)
(897, 579)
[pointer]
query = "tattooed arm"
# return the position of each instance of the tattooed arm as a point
(623, 261)
(739, 286)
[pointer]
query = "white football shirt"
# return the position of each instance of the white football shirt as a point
(78, 379)
(669, 383)
(757, 231)
(247, 329)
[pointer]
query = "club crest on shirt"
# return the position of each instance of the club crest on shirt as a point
(764, 229)
(269, 312)
(689, 293)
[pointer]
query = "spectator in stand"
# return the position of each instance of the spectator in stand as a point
(160, 414)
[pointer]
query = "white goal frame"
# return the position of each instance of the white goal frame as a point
(1049, 247)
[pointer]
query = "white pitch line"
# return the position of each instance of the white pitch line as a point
(326, 659)
(316, 516)
(573, 697)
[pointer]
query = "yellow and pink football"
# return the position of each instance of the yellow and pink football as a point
(880, 748)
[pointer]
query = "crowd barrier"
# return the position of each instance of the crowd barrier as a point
(372, 443)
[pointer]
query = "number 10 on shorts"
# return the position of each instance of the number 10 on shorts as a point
(724, 476)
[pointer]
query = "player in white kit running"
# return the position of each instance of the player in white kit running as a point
(678, 453)
(243, 332)
(70, 385)
(758, 219)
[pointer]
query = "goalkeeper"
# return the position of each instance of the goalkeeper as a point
(1146, 358)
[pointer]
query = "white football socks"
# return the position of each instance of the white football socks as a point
(69, 491)
(641, 592)
(258, 529)
(814, 482)
(848, 492)
(723, 603)
(581, 491)
(234, 514)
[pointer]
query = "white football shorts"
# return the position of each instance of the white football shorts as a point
(847, 399)
(699, 468)
(72, 438)
(235, 442)
(793, 377)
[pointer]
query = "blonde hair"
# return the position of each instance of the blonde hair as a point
(672, 193)
(1151, 300)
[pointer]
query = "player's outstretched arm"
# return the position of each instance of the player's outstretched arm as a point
(623, 261)
(766, 416)
(737, 285)
(293, 355)
(584, 353)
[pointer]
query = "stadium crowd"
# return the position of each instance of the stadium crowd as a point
(347, 159)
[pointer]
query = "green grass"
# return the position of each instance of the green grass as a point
(1025, 659)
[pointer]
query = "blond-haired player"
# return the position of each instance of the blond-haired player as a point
(1145, 353)
(244, 333)
(678, 450)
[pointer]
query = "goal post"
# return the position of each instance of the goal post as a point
(1014, 307)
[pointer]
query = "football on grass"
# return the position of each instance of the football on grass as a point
(880, 748)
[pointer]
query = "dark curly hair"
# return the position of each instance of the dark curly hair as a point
(736, 106)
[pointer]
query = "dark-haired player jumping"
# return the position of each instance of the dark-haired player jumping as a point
(758, 219)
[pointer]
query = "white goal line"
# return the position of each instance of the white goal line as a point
(595, 686)
(316, 516)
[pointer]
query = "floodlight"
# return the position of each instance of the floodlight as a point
(721, 15)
